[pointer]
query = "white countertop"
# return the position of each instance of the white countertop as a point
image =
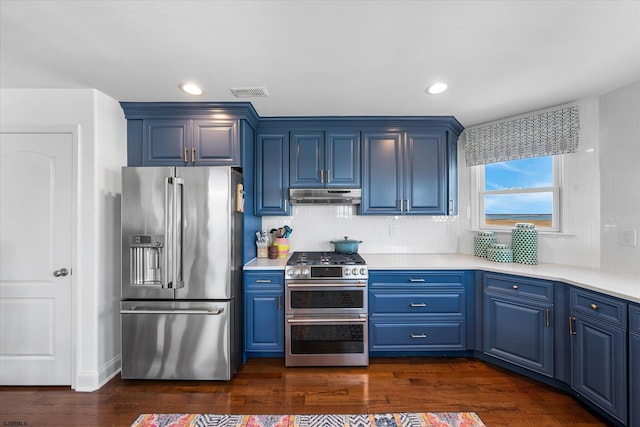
(625, 286)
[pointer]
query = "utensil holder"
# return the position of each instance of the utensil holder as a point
(283, 246)
(272, 252)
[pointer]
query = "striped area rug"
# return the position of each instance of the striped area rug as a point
(400, 419)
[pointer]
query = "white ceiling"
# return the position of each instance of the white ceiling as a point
(333, 58)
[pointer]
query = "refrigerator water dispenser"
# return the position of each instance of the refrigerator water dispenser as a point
(146, 259)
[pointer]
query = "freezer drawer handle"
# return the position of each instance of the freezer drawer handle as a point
(208, 312)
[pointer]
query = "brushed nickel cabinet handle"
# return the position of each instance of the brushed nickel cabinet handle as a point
(571, 330)
(263, 281)
(417, 304)
(593, 306)
(186, 154)
(193, 155)
(548, 318)
(418, 335)
(514, 287)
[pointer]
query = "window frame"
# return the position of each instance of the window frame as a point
(478, 197)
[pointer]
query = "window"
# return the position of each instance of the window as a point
(524, 190)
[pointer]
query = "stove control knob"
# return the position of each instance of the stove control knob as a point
(305, 272)
(289, 272)
(346, 272)
(354, 271)
(363, 271)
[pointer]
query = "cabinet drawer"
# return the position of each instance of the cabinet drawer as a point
(262, 280)
(519, 286)
(413, 278)
(417, 303)
(449, 335)
(634, 319)
(599, 306)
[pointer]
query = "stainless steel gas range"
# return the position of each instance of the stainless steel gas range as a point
(326, 310)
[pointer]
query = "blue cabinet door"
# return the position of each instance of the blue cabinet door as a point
(383, 183)
(165, 142)
(342, 159)
(425, 170)
(325, 159)
(599, 364)
(519, 331)
(452, 145)
(215, 143)
(272, 174)
(634, 378)
(307, 155)
(264, 321)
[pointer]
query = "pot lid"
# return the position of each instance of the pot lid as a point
(346, 240)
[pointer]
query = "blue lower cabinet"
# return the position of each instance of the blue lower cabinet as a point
(422, 336)
(519, 331)
(421, 311)
(634, 377)
(264, 323)
(599, 351)
(634, 366)
(263, 312)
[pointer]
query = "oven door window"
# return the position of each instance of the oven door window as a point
(327, 339)
(315, 299)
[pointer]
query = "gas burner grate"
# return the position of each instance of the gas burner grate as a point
(324, 258)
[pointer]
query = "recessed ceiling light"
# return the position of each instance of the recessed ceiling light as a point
(191, 88)
(436, 88)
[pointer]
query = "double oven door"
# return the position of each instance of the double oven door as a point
(326, 323)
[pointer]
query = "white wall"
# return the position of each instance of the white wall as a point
(620, 166)
(101, 151)
(314, 227)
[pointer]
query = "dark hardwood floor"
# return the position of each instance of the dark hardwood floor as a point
(265, 386)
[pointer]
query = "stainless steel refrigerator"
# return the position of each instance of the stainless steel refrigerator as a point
(181, 272)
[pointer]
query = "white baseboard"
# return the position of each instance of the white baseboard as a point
(93, 380)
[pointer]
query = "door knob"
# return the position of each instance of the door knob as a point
(62, 272)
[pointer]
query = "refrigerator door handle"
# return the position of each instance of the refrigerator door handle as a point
(176, 248)
(165, 230)
(148, 311)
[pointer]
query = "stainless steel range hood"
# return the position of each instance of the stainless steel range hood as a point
(325, 196)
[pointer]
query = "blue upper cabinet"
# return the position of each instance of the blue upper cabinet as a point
(382, 173)
(306, 155)
(186, 142)
(425, 173)
(324, 159)
(186, 134)
(272, 173)
(165, 141)
(215, 142)
(406, 173)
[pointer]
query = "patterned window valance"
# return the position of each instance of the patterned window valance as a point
(543, 134)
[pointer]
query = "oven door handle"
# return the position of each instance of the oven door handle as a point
(327, 285)
(326, 320)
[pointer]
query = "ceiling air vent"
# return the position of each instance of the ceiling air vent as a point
(248, 92)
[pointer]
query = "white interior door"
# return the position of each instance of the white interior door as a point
(35, 258)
